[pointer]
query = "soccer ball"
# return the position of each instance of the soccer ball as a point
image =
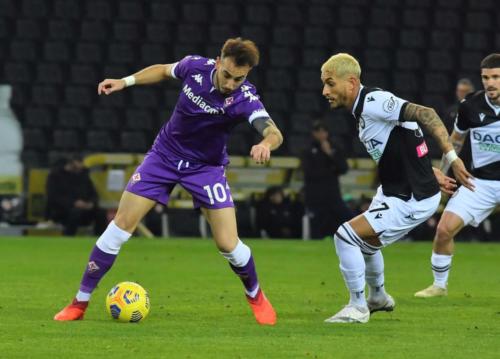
(128, 302)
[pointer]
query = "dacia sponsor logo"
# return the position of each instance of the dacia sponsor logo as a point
(487, 142)
(200, 101)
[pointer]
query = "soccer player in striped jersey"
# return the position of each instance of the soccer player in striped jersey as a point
(409, 192)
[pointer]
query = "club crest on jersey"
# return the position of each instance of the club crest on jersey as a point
(422, 149)
(390, 105)
(198, 78)
(228, 101)
(136, 177)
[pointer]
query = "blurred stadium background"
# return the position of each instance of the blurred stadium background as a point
(53, 53)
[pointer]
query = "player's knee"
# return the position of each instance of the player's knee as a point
(443, 232)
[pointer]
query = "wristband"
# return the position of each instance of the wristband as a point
(451, 156)
(129, 80)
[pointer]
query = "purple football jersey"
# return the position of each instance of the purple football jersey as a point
(203, 118)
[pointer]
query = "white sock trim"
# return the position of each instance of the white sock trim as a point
(441, 265)
(83, 296)
(240, 255)
(112, 239)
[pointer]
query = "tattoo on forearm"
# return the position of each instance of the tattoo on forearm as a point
(430, 120)
(266, 127)
(457, 146)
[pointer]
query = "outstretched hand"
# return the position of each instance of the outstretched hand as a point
(446, 184)
(461, 174)
(260, 153)
(109, 86)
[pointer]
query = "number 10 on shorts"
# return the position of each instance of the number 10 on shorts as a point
(217, 192)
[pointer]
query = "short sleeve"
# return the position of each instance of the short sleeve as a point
(181, 69)
(462, 124)
(250, 107)
(384, 105)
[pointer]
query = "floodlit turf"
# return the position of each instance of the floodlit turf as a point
(199, 311)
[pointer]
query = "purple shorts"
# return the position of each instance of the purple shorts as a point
(157, 175)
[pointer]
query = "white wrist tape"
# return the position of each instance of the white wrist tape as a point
(129, 80)
(451, 156)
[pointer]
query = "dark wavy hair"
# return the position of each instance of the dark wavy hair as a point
(244, 52)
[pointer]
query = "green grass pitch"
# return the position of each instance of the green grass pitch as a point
(199, 311)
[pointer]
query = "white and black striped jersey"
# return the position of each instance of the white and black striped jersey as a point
(398, 146)
(478, 115)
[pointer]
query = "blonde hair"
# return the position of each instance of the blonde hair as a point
(342, 64)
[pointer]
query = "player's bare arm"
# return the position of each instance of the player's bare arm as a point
(431, 121)
(457, 140)
(149, 75)
(273, 138)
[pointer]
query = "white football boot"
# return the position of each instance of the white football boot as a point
(350, 314)
(386, 304)
(432, 291)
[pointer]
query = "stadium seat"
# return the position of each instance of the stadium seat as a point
(23, 51)
(289, 14)
(154, 54)
(470, 60)
(408, 59)
(238, 144)
(62, 30)
(56, 51)
(351, 16)
(297, 143)
(301, 123)
(383, 17)
(164, 11)
(121, 53)
(379, 38)
(72, 117)
(182, 50)
(415, 18)
(218, 34)
(418, 3)
(35, 9)
(441, 60)
(213, 50)
(9, 8)
(131, 10)
(319, 15)
(377, 59)
(89, 52)
(450, 4)
(68, 140)
(18, 72)
(139, 119)
(126, 31)
(145, 97)
(316, 37)
(405, 82)
(118, 100)
(258, 14)
(134, 141)
(35, 117)
(190, 34)
(50, 73)
(282, 56)
(447, 19)
(28, 29)
(477, 41)
(226, 14)
(412, 39)
(46, 95)
(100, 10)
(435, 101)
(276, 101)
(100, 141)
(5, 29)
(79, 95)
(94, 31)
(34, 138)
(159, 33)
(259, 34)
(496, 43)
(483, 4)
(314, 57)
(278, 79)
(67, 9)
(105, 119)
(443, 39)
(285, 35)
(437, 82)
(375, 78)
(20, 96)
(84, 75)
(348, 37)
(309, 79)
(33, 158)
(479, 21)
(169, 99)
(198, 13)
(309, 101)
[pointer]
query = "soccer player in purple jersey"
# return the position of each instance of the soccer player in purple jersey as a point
(190, 150)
